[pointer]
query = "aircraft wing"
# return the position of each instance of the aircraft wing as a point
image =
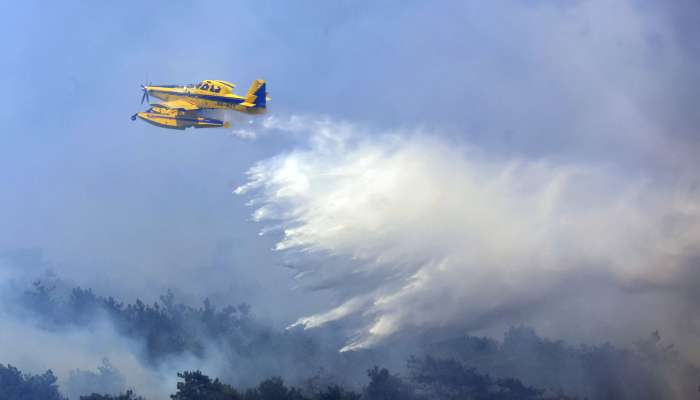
(179, 105)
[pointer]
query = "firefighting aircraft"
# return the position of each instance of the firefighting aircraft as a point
(181, 104)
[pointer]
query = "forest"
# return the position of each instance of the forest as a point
(267, 363)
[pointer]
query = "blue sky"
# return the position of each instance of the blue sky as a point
(104, 199)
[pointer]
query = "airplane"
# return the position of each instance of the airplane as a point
(180, 106)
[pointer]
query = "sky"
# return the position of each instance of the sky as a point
(542, 87)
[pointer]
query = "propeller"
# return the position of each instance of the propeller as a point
(133, 117)
(145, 95)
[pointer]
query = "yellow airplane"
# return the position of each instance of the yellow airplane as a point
(180, 106)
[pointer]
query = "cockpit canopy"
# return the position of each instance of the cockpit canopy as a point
(218, 87)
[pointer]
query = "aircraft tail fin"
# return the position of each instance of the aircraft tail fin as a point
(257, 94)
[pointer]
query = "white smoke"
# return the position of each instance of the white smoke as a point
(414, 231)
(35, 350)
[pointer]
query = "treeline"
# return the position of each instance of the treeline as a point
(168, 328)
(651, 369)
(430, 379)
(14, 385)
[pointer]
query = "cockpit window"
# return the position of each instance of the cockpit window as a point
(205, 86)
(215, 89)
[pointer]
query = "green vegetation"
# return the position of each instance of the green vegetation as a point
(14, 385)
(521, 366)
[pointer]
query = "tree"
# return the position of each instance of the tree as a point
(14, 385)
(273, 389)
(385, 386)
(128, 395)
(450, 379)
(197, 386)
(335, 392)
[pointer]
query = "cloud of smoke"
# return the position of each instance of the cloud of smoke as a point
(86, 357)
(413, 231)
(72, 351)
